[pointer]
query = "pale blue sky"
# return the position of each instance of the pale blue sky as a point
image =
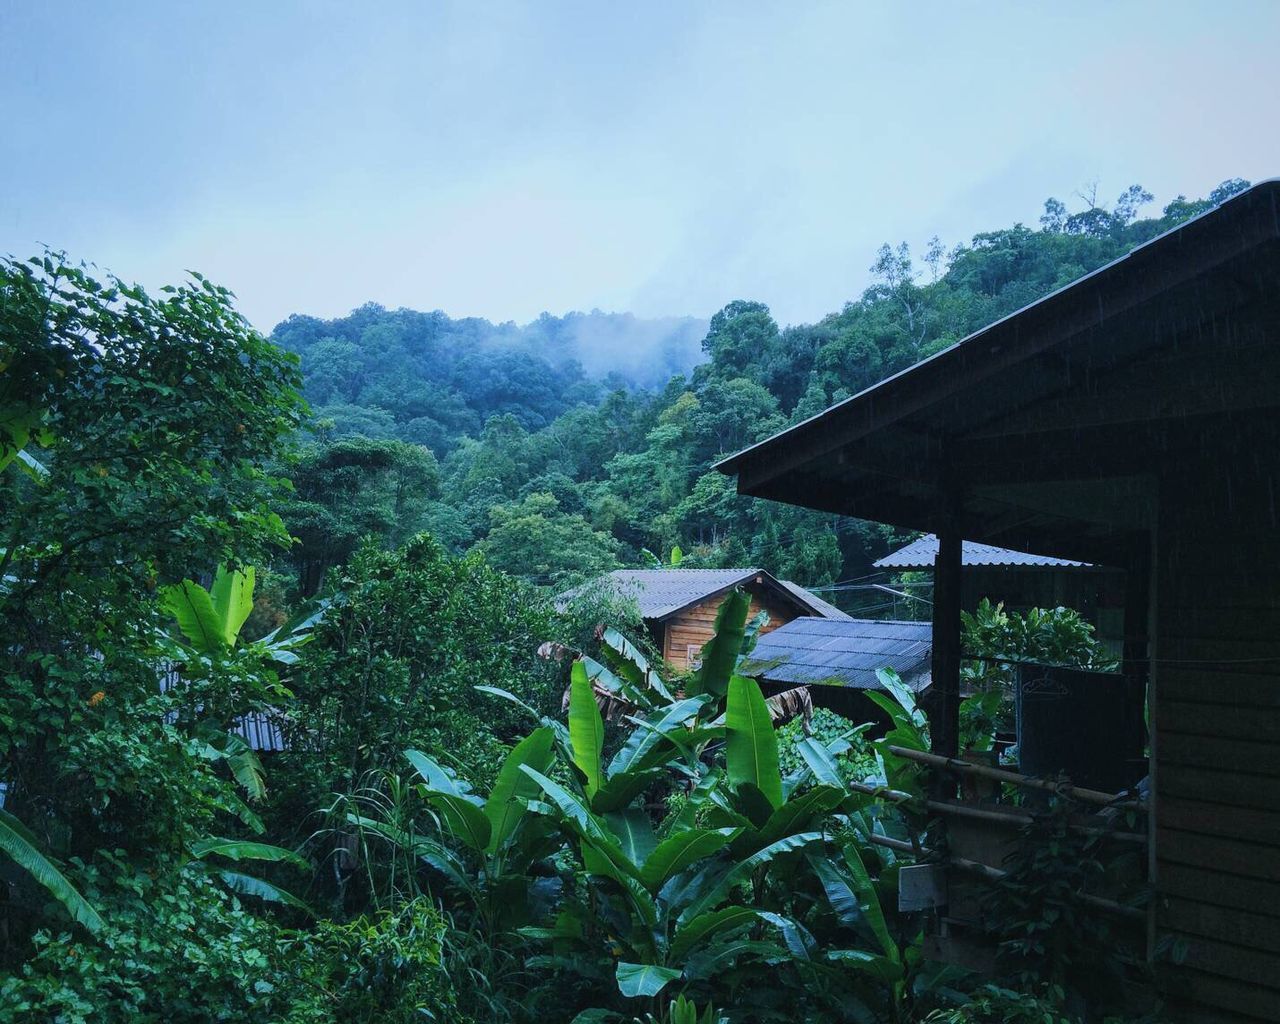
(503, 159)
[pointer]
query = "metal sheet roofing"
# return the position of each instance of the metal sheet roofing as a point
(843, 652)
(920, 554)
(662, 592)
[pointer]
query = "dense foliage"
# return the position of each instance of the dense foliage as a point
(185, 550)
(559, 474)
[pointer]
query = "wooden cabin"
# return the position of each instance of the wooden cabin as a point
(1130, 419)
(679, 605)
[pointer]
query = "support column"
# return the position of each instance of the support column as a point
(944, 727)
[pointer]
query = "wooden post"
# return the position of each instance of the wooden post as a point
(944, 728)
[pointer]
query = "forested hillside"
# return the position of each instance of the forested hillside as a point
(573, 444)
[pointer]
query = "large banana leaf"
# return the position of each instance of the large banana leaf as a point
(19, 845)
(190, 604)
(637, 752)
(818, 757)
(869, 902)
(242, 849)
(635, 980)
(634, 832)
(586, 728)
(437, 779)
(706, 925)
(626, 659)
(620, 790)
(742, 871)
(798, 813)
(751, 747)
(247, 885)
(461, 810)
(720, 653)
(506, 804)
(232, 600)
(580, 819)
(677, 852)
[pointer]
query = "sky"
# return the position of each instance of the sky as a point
(502, 159)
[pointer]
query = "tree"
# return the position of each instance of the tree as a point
(354, 488)
(156, 422)
(536, 541)
(738, 336)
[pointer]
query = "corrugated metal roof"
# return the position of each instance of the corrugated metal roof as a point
(843, 652)
(662, 592)
(261, 731)
(827, 609)
(920, 554)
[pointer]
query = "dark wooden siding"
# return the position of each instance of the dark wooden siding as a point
(1217, 747)
(693, 627)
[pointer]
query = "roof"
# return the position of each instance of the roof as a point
(661, 593)
(842, 652)
(1050, 429)
(921, 554)
(261, 730)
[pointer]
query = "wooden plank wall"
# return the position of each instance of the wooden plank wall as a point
(1217, 747)
(695, 626)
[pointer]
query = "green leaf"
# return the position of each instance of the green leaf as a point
(247, 885)
(882, 967)
(839, 890)
(241, 849)
(634, 832)
(798, 812)
(436, 778)
(720, 653)
(743, 869)
(464, 818)
(505, 806)
(461, 811)
(627, 660)
(19, 845)
(893, 683)
(751, 747)
(677, 852)
(636, 980)
(818, 757)
(869, 902)
(576, 814)
(640, 746)
(620, 790)
(705, 925)
(232, 600)
(189, 603)
(247, 770)
(586, 728)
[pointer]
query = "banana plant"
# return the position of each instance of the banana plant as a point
(500, 839)
(674, 896)
(211, 620)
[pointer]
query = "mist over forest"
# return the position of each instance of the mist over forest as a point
(580, 443)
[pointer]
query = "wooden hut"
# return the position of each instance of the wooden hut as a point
(679, 605)
(1130, 419)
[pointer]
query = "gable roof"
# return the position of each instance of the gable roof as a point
(661, 593)
(843, 652)
(921, 554)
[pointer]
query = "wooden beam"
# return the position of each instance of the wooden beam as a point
(944, 728)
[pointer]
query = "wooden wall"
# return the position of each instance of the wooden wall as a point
(1216, 770)
(694, 626)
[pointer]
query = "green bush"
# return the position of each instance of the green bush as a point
(178, 949)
